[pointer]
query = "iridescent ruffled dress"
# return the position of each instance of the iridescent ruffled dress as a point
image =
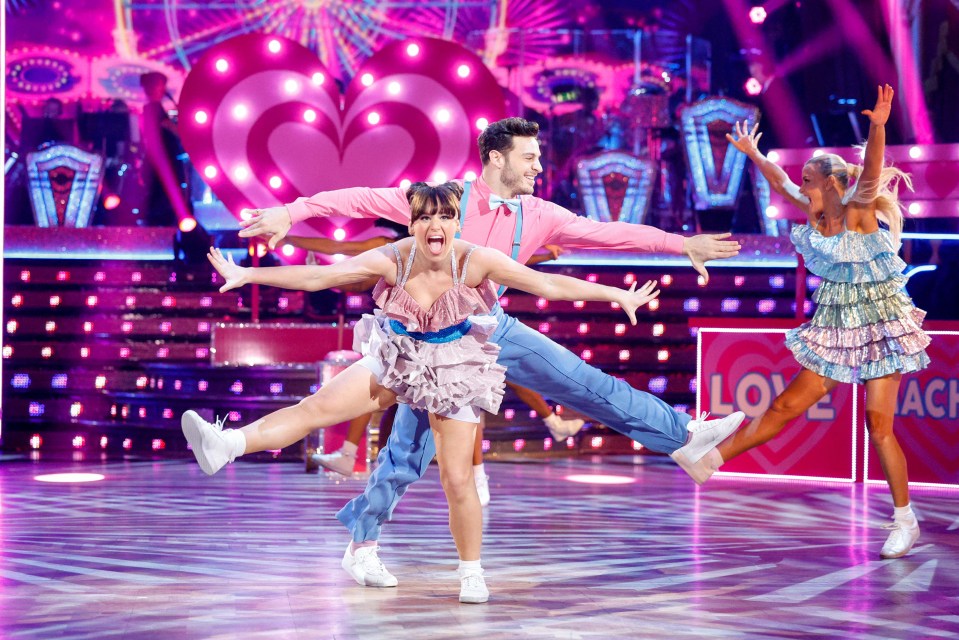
(439, 359)
(865, 325)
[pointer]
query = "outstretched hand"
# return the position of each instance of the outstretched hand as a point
(746, 141)
(234, 274)
(633, 299)
(273, 222)
(704, 247)
(879, 114)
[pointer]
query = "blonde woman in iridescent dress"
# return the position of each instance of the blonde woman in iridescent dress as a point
(866, 329)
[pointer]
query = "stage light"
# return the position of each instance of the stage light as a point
(544, 327)
(666, 280)
(637, 446)
(518, 445)
(291, 87)
(773, 156)
(201, 117)
(753, 87)
(373, 118)
(914, 208)
(76, 409)
(240, 174)
(653, 305)
(440, 176)
(583, 328)
(36, 409)
(757, 15)
(100, 382)
(111, 202)
(547, 444)
(241, 111)
(20, 381)
(78, 441)
(463, 70)
(662, 355)
(366, 79)
(274, 46)
(619, 329)
(276, 182)
(579, 304)
(658, 329)
(532, 413)
(46, 352)
(482, 123)
(124, 352)
(915, 152)
(691, 305)
(599, 479)
(7, 351)
(393, 88)
(127, 444)
(130, 301)
(222, 65)
(623, 355)
(777, 282)
(276, 388)
(54, 301)
(317, 79)
(69, 477)
(596, 442)
(36, 441)
(84, 352)
(24, 276)
(772, 211)
(657, 384)
(730, 305)
(816, 153)
(206, 301)
(629, 279)
(509, 414)
(309, 115)
(443, 116)
(158, 444)
(586, 354)
(237, 387)
(405, 184)
(469, 176)
(12, 326)
(87, 327)
(570, 442)
(168, 301)
(50, 326)
(103, 442)
(766, 305)
(339, 234)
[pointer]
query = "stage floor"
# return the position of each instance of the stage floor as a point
(158, 550)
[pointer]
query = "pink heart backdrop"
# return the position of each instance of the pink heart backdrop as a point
(265, 123)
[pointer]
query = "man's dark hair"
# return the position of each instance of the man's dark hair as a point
(498, 136)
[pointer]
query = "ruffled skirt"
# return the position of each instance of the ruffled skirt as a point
(444, 378)
(861, 331)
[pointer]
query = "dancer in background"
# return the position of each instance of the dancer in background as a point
(498, 210)
(428, 347)
(865, 329)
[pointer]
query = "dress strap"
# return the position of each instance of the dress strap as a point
(466, 264)
(453, 262)
(399, 261)
(409, 267)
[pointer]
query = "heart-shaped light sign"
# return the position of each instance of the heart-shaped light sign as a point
(265, 123)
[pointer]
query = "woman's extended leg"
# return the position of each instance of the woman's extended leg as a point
(454, 452)
(881, 395)
(805, 390)
(349, 394)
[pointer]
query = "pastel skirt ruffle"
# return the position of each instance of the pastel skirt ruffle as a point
(456, 379)
(861, 331)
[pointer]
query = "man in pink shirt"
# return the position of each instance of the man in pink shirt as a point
(498, 210)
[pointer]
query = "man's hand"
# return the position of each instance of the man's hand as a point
(274, 223)
(709, 246)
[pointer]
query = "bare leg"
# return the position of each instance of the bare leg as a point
(881, 395)
(454, 448)
(805, 390)
(348, 394)
(532, 399)
(478, 442)
(358, 428)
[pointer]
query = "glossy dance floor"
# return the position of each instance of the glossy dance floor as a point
(158, 550)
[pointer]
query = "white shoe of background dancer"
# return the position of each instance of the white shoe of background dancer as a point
(561, 429)
(367, 569)
(473, 588)
(699, 457)
(900, 540)
(337, 461)
(482, 488)
(208, 441)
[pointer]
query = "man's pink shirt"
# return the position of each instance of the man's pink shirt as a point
(543, 222)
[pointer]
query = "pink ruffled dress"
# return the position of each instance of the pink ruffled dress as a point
(439, 359)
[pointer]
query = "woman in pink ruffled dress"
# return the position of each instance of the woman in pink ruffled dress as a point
(866, 329)
(427, 346)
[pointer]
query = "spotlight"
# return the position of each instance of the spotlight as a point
(753, 86)
(757, 15)
(111, 202)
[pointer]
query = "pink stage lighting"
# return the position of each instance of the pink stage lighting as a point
(187, 224)
(753, 87)
(69, 477)
(600, 479)
(111, 202)
(757, 15)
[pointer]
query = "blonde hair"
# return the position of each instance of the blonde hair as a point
(882, 191)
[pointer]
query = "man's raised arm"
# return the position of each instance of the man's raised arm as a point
(357, 202)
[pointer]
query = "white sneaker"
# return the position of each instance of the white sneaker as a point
(209, 444)
(482, 488)
(367, 569)
(337, 461)
(900, 540)
(699, 457)
(562, 429)
(473, 588)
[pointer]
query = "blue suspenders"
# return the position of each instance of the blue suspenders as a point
(517, 228)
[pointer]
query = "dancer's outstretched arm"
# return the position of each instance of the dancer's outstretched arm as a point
(489, 263)
(876, 142)
(747, 141)
(371, 264)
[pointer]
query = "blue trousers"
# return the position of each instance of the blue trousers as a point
(531, 360)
